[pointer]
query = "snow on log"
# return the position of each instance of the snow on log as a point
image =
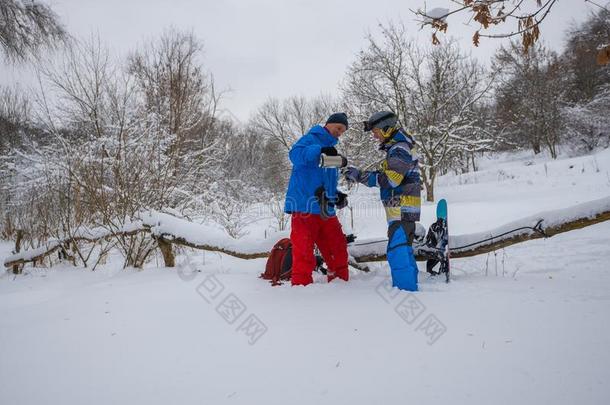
(182, 232)
(33, 255)
(167, 229)
(550, 223)
(53, 245)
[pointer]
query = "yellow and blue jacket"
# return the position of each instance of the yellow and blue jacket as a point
(397, 178)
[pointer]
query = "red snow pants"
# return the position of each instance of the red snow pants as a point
(310, 229)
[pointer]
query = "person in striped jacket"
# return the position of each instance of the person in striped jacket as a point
(399, 182)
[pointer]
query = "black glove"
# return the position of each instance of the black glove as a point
(350, 238)
(323, 201)
(341, 200)
(329, 151)
(351, 174)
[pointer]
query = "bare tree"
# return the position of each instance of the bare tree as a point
(102, 164)
(232, 199)
(588, 123)
(26, 27)
(584, 42)
(529, 91)
(112, 149)
(75, 87)
(174, 84)
(15, 115)
(587, 91)
(286, 120)
(435, 93)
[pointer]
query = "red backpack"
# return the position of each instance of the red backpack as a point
(279, 262)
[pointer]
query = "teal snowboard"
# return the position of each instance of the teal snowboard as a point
(441, 209)
(438, 239)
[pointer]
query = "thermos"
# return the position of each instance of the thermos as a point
(332, 161)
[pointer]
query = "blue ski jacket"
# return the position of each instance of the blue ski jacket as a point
(307, 175)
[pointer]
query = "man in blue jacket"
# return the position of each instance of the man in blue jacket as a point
(399, 188)
(312, 199)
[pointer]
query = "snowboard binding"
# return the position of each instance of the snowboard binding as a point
(436, 245)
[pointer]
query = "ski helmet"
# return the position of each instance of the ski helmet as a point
(382, 120)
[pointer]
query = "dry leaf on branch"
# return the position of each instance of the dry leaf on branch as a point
(603, 56)
(475, 39)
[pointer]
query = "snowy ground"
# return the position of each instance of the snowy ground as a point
(527, 325)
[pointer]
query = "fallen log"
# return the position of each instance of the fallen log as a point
(169, 238)
(550, 223)
(169, 230)
(164, 240)
(52, 246)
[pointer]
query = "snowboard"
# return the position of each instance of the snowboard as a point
(438, 239)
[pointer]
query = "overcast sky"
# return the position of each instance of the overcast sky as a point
(272, 48)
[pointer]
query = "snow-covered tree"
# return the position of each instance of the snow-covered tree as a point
(435, 92)
(26, 27)
(15, 114)
(106, 156)
(588, 123)
(529, 90)
(173, 83)
(587, 100)
(585, 77)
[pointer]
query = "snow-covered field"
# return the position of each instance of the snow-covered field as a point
(526, 325)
